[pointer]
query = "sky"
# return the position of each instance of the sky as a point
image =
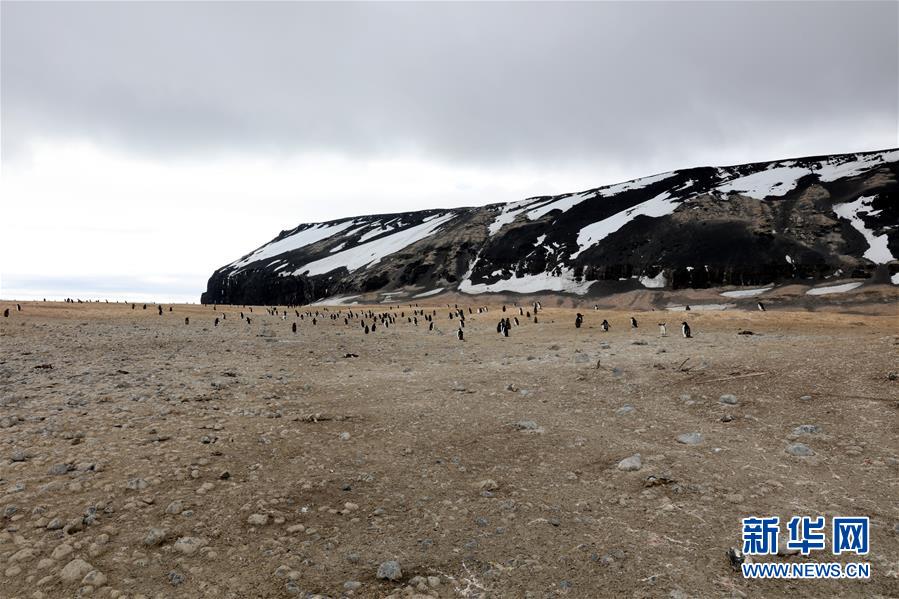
(144, 145)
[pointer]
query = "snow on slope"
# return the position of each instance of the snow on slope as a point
(367, 254)
(299, 239)
(544, 281)
(509, 213)
(746, 292)
(877, 251)
(833, 289)
(833, 170)
(661, 205)
(773, 181)
(568, 202)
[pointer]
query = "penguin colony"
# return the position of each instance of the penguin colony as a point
(369, 321)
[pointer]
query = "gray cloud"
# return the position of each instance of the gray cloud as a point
(656, 84)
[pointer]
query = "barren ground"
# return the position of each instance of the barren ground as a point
(243, 425)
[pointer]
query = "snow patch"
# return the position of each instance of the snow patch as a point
(337, 300)
(746, 292)
(700, 307)
(661, 205)
(773, 181)
(564, 281)
(895, 279)
(367, 254)
(877, 251)
(657, 282)
(831, 171)
(833, 289)
(429, 293)
(299, 239)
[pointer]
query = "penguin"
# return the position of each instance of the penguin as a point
(535, 319)
(761, 306)
(373, 327)
(460, 334)
(216, 322)
(633, 322)
(520, 311)
(187, 320)
(516, 321)
(578, 320)
(499, 327)
(6, 313)
(132, 306)
(170, 308)
(687, 308)
(18, 307)
(431, 326)
(241, 315)
(160, 310)
(504, 308)
(248, 320)
(366, 329)
(505, 331)
(145, 306)
(293, 327)
(314, 321)
(685, 329)
(663, 329)
(605, 325)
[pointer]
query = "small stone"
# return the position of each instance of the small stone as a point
(800, 449)
(344, 436)
(488, 484)
(526, 425)
(55, 524)
(59, 469)
(258, 519)
(175, 578)
(95, 578)
(352, 585)
(188, 545)
(631, 464)
(625, 409)
(62, 551)
(176, 507)
(805, 398)
(690, 438)
(390, 570)
(806, 429)
(156, 536)
(75, 570)
(728, 399)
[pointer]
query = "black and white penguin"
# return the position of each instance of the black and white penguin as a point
(499, 327)
(6, 313)
(248, 320)
(535, 319)
(187, 320)
(460, 334)
(431, 326)
(160, 310)
(18, 307)
(578, 320)
(687, 308)
(516, 321)
(663, 329)
(633, 322)
(170, 308)
(685, 329)
(216, 322)
(761, 306)
(314, 321)
(605, 325)
(132, 306)
(293, 327)
(373, 327)
(366, 329)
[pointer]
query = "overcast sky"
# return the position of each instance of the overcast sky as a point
(146, 144)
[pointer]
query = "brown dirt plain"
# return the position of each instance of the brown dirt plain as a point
(158, 459)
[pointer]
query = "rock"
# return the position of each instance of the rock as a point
(137, 484)
(631, 464)
(175, 507)
(62, 551)
(728, 399)
(488, 484)
(344, 436)
(55, 524)
(95, 578)
(526, 425)
(390, 570)
(21, 555)
(156, 536)
(625, 409)
(806, 429)
(74, 571)
(352, 585)
(188, 545)
(59, 469)
(805, 398)
(175, 578)
(690, 438)
(258, 519)
(799, 449)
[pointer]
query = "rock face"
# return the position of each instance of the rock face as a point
(803, 219)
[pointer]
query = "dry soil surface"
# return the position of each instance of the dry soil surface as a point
(144, 457)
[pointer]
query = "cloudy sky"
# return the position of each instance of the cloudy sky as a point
(146, 144)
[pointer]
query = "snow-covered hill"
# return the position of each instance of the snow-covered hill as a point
(807, 219)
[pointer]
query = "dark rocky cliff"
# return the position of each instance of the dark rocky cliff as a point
(805, 219)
